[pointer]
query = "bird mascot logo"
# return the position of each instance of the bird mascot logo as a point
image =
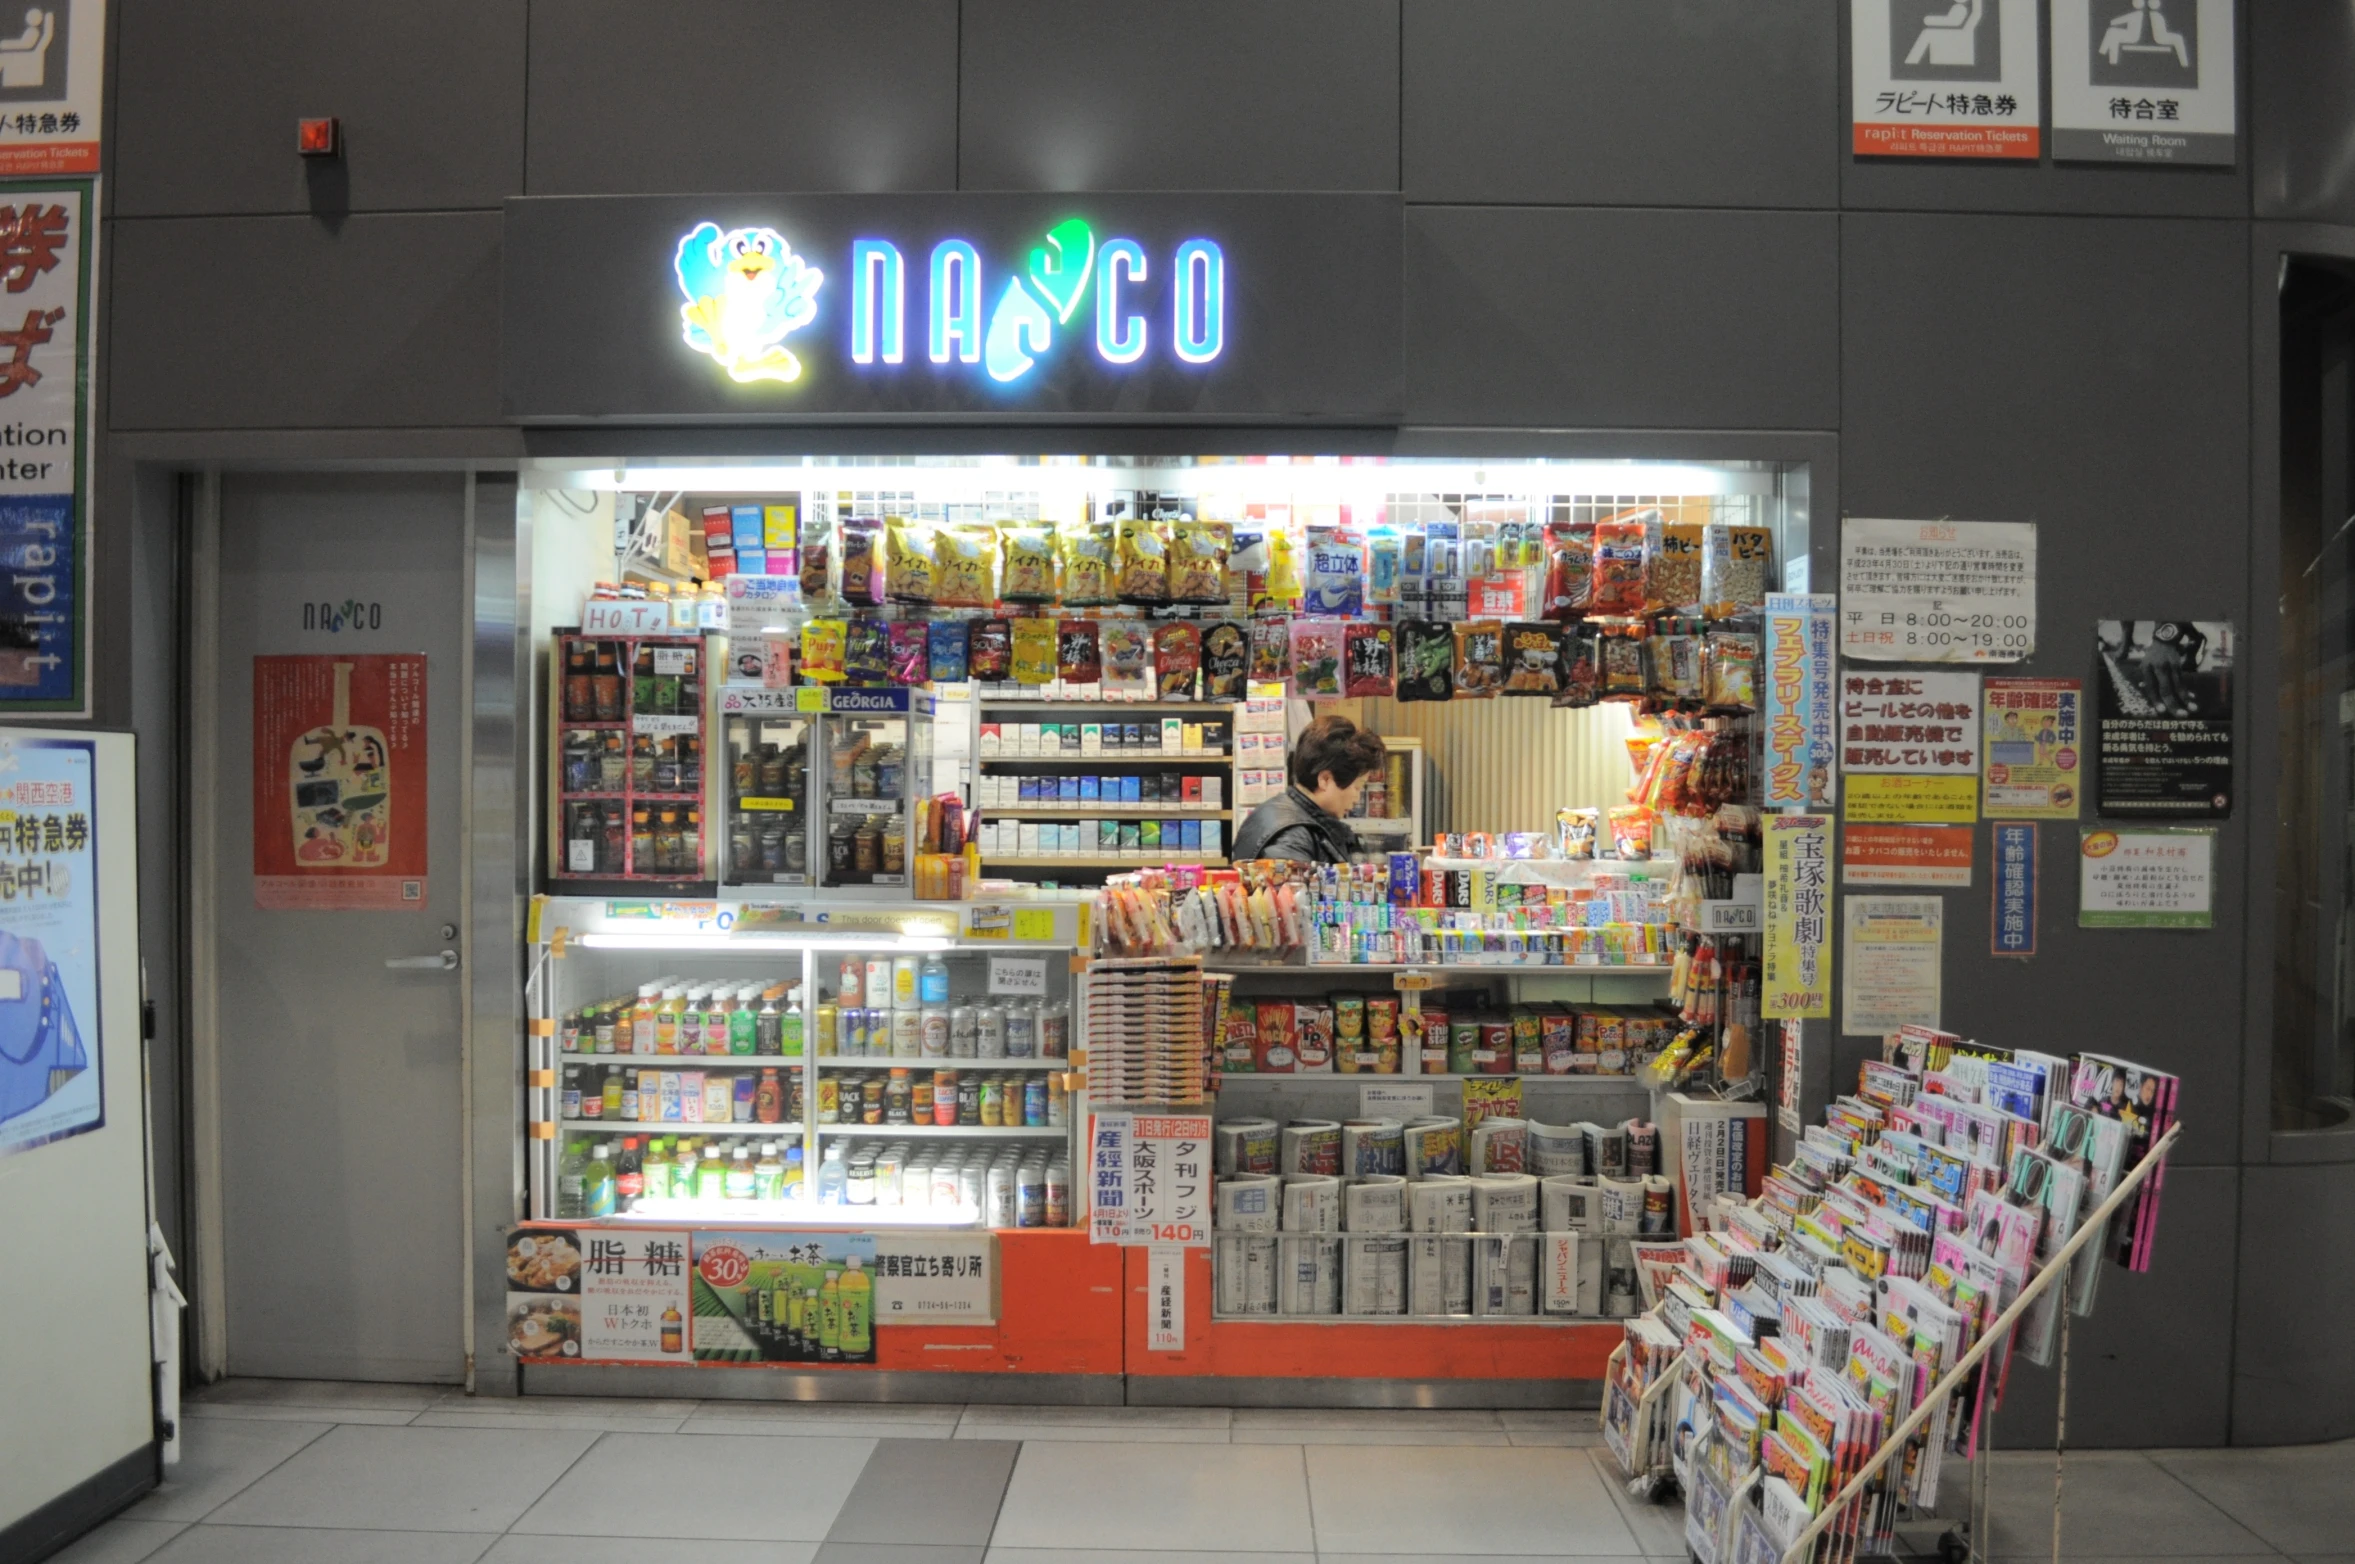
(746, 291)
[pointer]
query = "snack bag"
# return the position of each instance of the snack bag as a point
(1480, 659)
(1086, 547)
(944, 650)
(1582, 673)
(1271, 650)
(1676, 667)
(817, 561)
(862, 566)
(866, 652)
(1672, 573)
(1142, 560)
(1034, 651)
(911, 652)
(1226, 661)
(1336, 572)
(1426, 661)
(1631, 831)
(1128, 658)
(1732, 674)
(1623, 664)
(1575, 831)
(1569, 569)
(1618, 586)
(1198, 562)
(907, 561)
(1735, 562)
(1079, 653)
(961, 557)
(990, 653)
(1278, 589)
(1028, 572)
(1177, 660)
(1533, 658)
(822, 645)
(1369, 659)
(1384, 556)
(1316, 659)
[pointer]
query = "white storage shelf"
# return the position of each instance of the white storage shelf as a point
(896, 1062)
(952, 1131)
(676, 1127)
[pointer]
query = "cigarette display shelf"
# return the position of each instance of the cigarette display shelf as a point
(1089, 861)
(1116, 757)
(952, 1131)
(1109, 811)
(675, 1127)
(910, 1062)
(1142, 708)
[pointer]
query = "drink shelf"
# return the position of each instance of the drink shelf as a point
(675, 1127)
(685, 1061)
(1137, 860)
(910, 1062)
(953, 1131)
(1157, 757)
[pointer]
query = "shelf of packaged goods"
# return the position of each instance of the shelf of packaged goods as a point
(1138, 860)
(1326, 1076)
(1158, 757)
(1069, 703)
(895, 1062)
(1660, 968)
(1106, 811)
(671, 1127)
(952, 1131)
(686, 1061)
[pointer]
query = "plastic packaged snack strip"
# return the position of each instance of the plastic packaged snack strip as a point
(1128, 657)
(1569, 569)
(866, 652)
(962, 557)
(1575, 831)
(911, 654)
(1271, 649)
(1369, 659)
(1735, 567)
(1582, 672)
(945, 650)
(1336, 572)
(1079, 652)
(1177, 661)
(1623, 664)
(1384, 556)
(823, 642)
(1732, 669)
(817, 561)
(1034, 651)
(1142, 557)
(1672, 568)
(862, 563)
(1631, 831)
(1198, 561)
(907, 561)
(1027, 571)
(1618, 587)
(1277, 588)
(1480, 659)
(1676, 667)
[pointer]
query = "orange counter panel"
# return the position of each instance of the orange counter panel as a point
(1276, 1349)
(1058, 1313)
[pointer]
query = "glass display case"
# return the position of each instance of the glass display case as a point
(627, 743)
(876, 750)
(768, 801)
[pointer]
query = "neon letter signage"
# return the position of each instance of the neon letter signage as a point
(745, 290)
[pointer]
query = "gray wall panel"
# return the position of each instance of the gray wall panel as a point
(2281, 1360)
(2090, 376)
(205, 99)
(743, 95)
(1598, 102)
(2302, 119)
(1211, 95)
(278, 322)
(1621, 318)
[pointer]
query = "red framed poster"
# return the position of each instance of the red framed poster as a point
(339, 805)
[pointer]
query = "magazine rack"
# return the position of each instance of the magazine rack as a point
(1635, 1427)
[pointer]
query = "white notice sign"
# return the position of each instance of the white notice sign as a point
(1018, 975)
(1395, 1101)
(1165, 1298)
(1937, 591)
(1892, 972)
(947, 1277)
(1943, 78)
(2143, 81)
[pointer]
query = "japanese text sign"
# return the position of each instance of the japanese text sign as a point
(339, 779)
(1802, 746)
(1937, 591)
(2153, 877)
(1922, 724)
(51, 1067)
(1798, 893)
(2143, 81)
(44, 400)
(2014, 930)
(2035, 748)
(1943, 78)
(615, 1295)
(1154, 1170)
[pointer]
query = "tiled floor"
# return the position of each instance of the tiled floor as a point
(281, 1472)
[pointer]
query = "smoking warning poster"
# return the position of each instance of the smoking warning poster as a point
(50, 1086)
(339, 806)
(2166, 718)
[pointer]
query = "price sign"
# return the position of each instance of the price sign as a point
(1149, 1176)
(1022, 975)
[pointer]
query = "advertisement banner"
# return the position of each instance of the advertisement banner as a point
(339, 806)
(1937, 591)
(784, 1297)
(2034, 749)
(1938, 855)
(2150, 877)
(597, 1294)
(1918, 724)
(50, 1075)
(1881, 799)
(1797, 981)
(45, 262)
(1943, 78)
(2014, 930)
(1802, 747)
(1891, 963)
(2166, 718)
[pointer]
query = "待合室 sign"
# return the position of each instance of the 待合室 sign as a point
(2143, 81)
(978, 305)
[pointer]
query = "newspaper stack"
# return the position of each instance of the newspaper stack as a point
(1144, 1031)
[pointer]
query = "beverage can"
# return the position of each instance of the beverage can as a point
(964, 1030)
(1054, 1031)
(944, 1097)
(1034, 1101)
(829, 1100)
(989, 1032)
(968, 1098)
(1000, 1210)
(1021, 1030)
(1058, 1195)
(972, 1186)
(1030, 1195)
(907, 1034)
(935, 1032)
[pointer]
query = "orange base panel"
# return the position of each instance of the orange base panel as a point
(1058, 1313)
(1283, 1349)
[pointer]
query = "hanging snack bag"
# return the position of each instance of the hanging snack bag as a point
(1369, 659)
(1079, 653)
(1426, 661)
(1618, 566)
(1734, 566)
(862, 563)
(822, 645)
(1569, 569)
(1142, 556)
(911, 652)
(1027, 571)
(961, 560)
(1177, 661)
(1623, 665)
(907, 561)
(1575, 831)
(1732, 672)
(1128, 658)
(1198, 561)
(1336, 572)
(866, 652)
(1271, 650)
(1086, 547)
(817, 561)
(1672, 567)
(1278, 589)
(990, 656)
(1533, 658)
(1316, 659)
(1676, 667)
(1034, 651)
(1480, 659)
(1384, 556)
(1631, 831)
(1226, 661)
(1582, 672)
(944, 650)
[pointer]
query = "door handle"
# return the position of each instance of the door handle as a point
(447, 961)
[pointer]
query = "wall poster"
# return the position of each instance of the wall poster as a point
(2033, 759)
(2166, 718)
(339, 805)
(1937, 591)
(586, 1294)
(2013, 930)
(1802, 744)
(1797, 978)
(2154, 877)
(45, 268)
(50, 1076)
(1891, 963)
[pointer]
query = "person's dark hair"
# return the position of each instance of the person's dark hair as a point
(1338, 745)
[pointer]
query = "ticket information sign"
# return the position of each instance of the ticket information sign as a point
(1937, 591)
(1943, 78)
(2033, 757)
(1798, 900)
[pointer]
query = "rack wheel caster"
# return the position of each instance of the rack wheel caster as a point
(1954, 1547)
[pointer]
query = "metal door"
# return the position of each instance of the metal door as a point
(338, 1032)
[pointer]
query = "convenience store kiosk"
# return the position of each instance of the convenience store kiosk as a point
(879, 353)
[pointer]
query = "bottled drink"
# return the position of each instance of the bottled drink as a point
(768, 1027)
(830, 1319)
(572, 1182)
(629, 1096)
(642, 1037)
(690, 1033)
(658, 1171)
(833, 1177)
(744, 1022)
(711, 1175)
(768, 1099)
(740, 1181)
(629, 1176)
(879, 982)
(856, 1295)
(612, 1092)
(569, 1106)
(932, 980)
(598, 1182)
(666, 1022)
(789, 1025)
(906, 984)
(849, 982)
(718, 1021)
(768, 1173)
(674, 1330)
(791, 1185)
(608, 1035)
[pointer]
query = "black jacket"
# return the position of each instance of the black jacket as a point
(1295, 827)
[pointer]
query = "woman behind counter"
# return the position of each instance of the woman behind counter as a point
(1332, 762)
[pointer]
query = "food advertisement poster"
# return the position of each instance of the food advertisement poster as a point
(1935, 855)
(784, 1297)
(51, 1084)
(2166, 718)
(2161, 877)
(2033, 751)
(1890, 964)
(1802, 743)
(1938, 591)
(2013, 932)
(597, 1295)
(1797, 981)
(1913, 724)
(339, 807)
